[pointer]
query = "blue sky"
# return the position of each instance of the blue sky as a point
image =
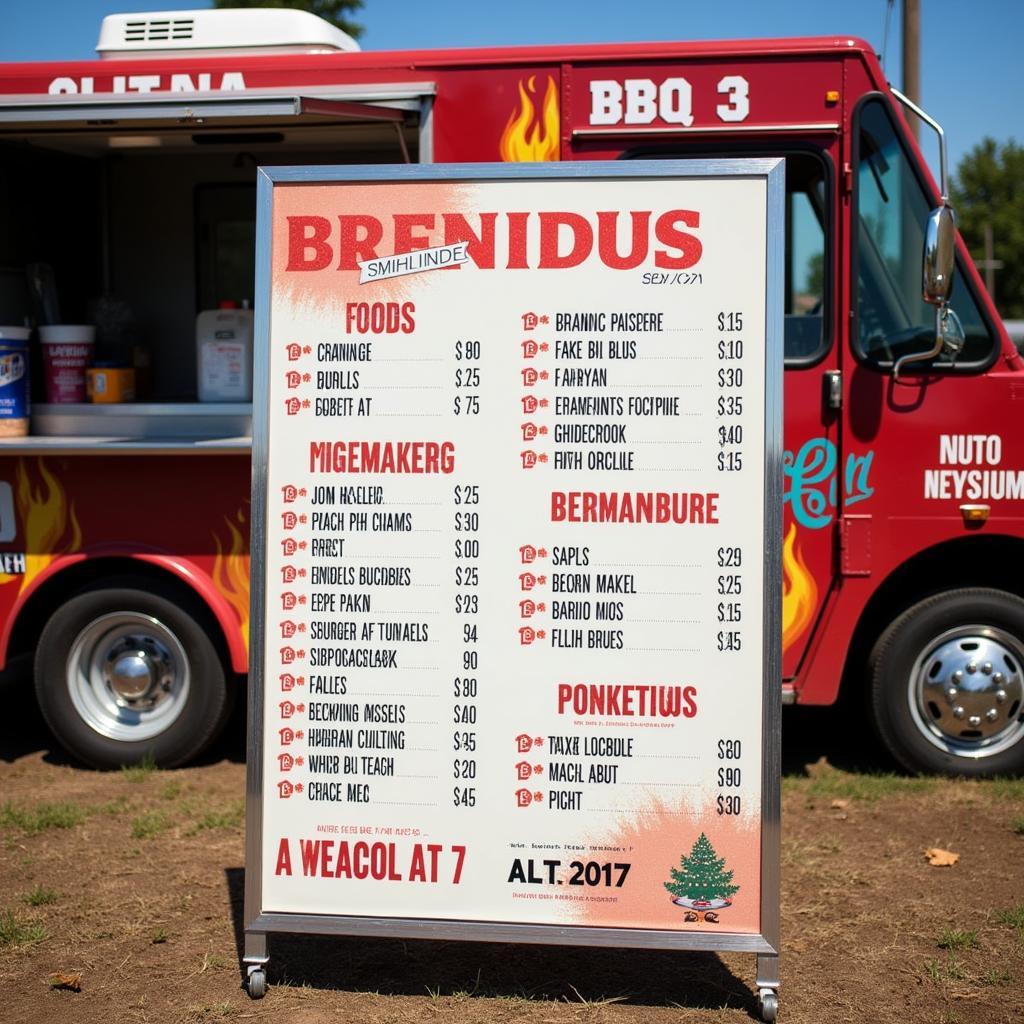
(972, 77)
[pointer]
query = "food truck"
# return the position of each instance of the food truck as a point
(127, 203)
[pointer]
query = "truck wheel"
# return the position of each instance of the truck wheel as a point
(947, 684)
(123, 673)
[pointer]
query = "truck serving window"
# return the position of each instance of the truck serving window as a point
(892, 208)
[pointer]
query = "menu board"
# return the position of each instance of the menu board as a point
(512, 479)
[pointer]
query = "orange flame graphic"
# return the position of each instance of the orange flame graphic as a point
(46, 515)
(231, 571)
(528, 137)
(799, 591)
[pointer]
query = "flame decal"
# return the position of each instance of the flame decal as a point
(527, 137)
(799, 591)
(49, 521)
(231, 571)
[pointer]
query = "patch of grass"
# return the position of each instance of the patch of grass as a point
(42, 817)
(951, 970)
(955, 969)
(954, 938)
(150, 824)
(228, 817)
(140, 771)
(16, 930)
(1005, 788)
(995, 977)
(115, 808)
(1013, 916)
(1018, 825)
(39, 897)
(827, 783)
(159, 937)
(171, 790)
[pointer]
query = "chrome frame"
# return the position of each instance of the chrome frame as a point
(259, 925)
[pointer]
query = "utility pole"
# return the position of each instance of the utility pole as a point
(912, 55)
(989, 264)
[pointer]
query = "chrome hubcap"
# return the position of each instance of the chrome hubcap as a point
(139, 670)
(128, 676)
(967, 691)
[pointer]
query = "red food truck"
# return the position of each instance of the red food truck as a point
(124, 526)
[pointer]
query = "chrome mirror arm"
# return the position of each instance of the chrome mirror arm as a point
(939, 131)
(920, 357)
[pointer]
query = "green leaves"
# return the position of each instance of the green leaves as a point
(987, 191)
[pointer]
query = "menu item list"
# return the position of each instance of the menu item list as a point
(514, 551)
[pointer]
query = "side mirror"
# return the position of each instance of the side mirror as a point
(939, 256)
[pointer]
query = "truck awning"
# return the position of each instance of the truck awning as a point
(191, 109)
(402, 109)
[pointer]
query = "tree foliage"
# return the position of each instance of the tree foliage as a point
(335, 11)
(989, 189)
(702, 875)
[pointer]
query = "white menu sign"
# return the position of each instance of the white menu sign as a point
(511, 471)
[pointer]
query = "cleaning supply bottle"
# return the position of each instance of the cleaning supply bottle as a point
(224, 353)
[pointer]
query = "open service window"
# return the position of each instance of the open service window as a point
(144, 209)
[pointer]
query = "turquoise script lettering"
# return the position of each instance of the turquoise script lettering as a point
(811, 481)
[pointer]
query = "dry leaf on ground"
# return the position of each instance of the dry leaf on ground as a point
(71, 982)
(941, 858)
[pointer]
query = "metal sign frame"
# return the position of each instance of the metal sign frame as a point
(258, 924)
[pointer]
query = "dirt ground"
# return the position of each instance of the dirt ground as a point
(133, 880)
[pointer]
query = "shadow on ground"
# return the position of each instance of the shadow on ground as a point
(563, 973)
(842, 734)
(23, 730)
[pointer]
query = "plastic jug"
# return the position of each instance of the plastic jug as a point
(224, 354)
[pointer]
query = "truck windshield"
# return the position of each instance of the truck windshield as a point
(893, 319)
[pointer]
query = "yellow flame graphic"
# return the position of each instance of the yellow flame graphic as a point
(527, 137)
(45, 514)
(799, 591)
(231, 572)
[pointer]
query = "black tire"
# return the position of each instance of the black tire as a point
(182, 650)
(924, 646)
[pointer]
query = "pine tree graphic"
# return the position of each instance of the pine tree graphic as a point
(702, 875)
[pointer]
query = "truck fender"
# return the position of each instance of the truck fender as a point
(181, 568)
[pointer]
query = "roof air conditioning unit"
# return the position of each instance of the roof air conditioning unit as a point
(199, 33)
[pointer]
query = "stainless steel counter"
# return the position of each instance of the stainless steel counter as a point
(98, 445)
(136, 428)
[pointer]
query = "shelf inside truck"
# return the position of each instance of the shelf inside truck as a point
(98, 445)
(136, 428)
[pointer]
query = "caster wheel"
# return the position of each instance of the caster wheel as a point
(768, 1003)
(257, 983)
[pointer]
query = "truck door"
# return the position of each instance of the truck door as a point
(811, 430)
(811, 427)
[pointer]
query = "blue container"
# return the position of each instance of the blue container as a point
(14, 383)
